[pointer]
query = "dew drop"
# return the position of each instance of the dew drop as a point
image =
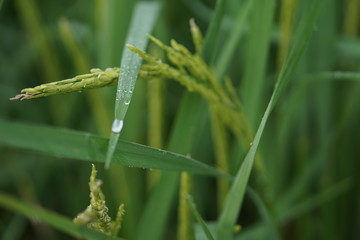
(127, 102)
(117, 126)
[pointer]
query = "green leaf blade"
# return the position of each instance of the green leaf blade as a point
(236, 194)
(57, 221)
(142, 23)
(198, 217)
(85, 146)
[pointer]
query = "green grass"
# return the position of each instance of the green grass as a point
(285, 167)
(142, 23)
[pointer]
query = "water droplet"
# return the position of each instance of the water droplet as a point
(127, 102)
(117, 126)
(251, 143)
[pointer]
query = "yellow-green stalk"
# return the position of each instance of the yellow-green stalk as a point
(351, 17)
(221, 144)
(156, 87)
(30, 17)
(185, 227)
(287, 13)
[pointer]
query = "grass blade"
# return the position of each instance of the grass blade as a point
(112, 20)
(188, 120)
(230, 45)
(57, 221)
(202, 223)
(212, 34)
(15, 228)
(159, 204)
(300, 209)
(84, 146)
(235, 197)
(185, 229)
(183, 136)
(142, 23)
(317, 200)
(265, 214)
(257, 52)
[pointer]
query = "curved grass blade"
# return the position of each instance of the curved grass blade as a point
(85, 146)
(198, 217)
(235, 197)
(142, 23)
(53, 219)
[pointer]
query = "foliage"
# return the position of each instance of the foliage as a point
(244, 127)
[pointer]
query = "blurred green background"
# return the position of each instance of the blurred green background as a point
(310, 147)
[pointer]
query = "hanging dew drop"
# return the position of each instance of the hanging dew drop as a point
(127, 102)
(117, 126)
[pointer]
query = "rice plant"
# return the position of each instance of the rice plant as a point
(202, 119)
